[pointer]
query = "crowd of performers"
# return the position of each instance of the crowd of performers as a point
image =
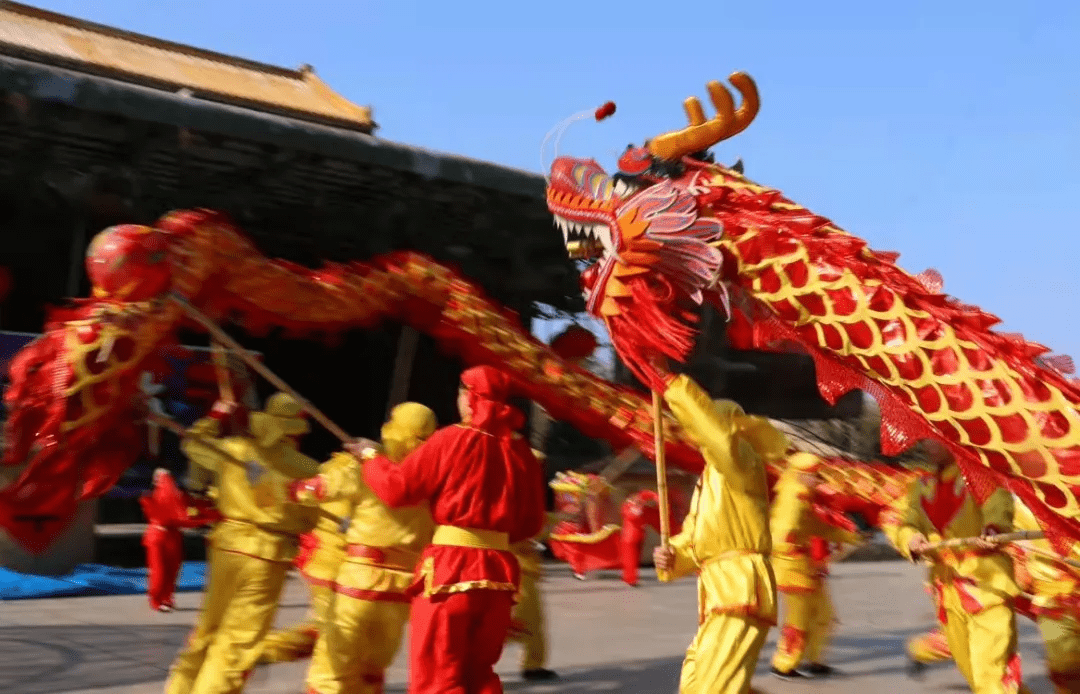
(438, 528)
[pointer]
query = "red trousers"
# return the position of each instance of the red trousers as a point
(455, 641)
(632, 539)
(630, 544)
(164, 554)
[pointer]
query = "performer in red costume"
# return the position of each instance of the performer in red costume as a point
(486, 491)
(168, 509)
(641, 510)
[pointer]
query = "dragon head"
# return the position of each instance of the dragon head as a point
(647, 232)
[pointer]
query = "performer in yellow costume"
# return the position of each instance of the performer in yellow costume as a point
(800, 576)
(1052, 600)
(974, 584)
(251, 548)
(318, 562)
(1055, 605)
(529, 625)
(725, 539)
(370, 607)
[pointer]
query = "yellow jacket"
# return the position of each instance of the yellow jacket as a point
(528, 554)
(725, 536)
(402, 533)
(793, 524)
(252, 491)
(1051, 581)
(985, 576)
(330, 528)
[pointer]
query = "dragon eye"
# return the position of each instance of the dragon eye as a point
(635, 161)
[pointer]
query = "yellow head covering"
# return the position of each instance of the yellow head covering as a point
(804, 462)
(280, 418)
(758, 432)
(410, 424)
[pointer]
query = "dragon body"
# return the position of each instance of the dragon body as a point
(672, 231)
(76, 407)
(74, 400)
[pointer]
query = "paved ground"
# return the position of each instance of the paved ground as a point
(606, 637)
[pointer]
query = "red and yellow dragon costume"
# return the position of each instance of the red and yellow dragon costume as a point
(74, 400)
(673, 230)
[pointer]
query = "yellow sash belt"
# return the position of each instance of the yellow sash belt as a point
(450, 536)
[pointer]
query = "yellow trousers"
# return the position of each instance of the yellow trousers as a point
(807, 630)
(238, 610)
(1062, 640)
(287, 645)
(529, 612)
(931, 647)
(723, 655)
(983, 646)
(357, 645)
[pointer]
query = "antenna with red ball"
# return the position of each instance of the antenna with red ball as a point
(557, 132)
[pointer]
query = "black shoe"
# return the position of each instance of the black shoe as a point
(789, 675)
(916, 670)
(821, 670)
(538, 674)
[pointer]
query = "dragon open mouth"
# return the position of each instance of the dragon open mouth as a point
(584, 240)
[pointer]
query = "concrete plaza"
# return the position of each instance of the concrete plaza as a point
(605, 637)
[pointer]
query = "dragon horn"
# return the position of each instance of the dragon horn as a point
(702, 134)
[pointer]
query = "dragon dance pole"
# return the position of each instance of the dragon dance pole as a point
(1023, 536)
(215, 330)
(1050, 555)
(1003, 539)
(661, 470)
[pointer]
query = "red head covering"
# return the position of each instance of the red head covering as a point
(487, 390)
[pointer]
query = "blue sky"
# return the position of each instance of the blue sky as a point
(947, 131)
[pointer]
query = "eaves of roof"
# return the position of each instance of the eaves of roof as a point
(141, 103)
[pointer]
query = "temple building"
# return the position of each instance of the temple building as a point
(100, 126)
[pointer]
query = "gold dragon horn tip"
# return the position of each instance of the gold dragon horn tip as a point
(701, 134)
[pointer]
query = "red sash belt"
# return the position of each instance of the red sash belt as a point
(389, 557)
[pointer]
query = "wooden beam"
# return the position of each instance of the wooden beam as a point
(403, 366)
(76, 259)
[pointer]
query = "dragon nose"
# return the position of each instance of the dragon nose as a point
(563, 168)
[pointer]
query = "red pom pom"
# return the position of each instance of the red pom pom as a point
(605, 110)
(574, 343)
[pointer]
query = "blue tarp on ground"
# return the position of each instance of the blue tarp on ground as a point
(93, 579)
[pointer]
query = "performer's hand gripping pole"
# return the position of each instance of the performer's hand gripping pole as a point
(215, 330)
(1002, 539)
(661, 474)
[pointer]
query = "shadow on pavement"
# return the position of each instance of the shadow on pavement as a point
(50, 659)
(639, 677)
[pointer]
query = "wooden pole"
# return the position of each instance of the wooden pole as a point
(403, 366)
(1068, 561)
(221, 366)
(658, 434)
(1003, 539)
(620, 464)
(215, 330)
